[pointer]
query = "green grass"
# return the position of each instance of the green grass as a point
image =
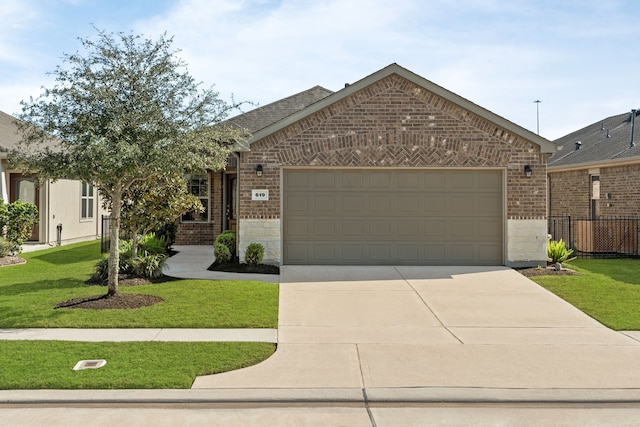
(130, 365)
(606, 289)
(29, 293)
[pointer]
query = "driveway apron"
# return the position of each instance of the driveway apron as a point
(378, 328)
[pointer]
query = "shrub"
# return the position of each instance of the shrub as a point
(16, 221)
(5, 247)
(149, 244)
(149, 266)
(254, 254)
(228, 238)
(222, 253)
(168, 233)
(557, 251)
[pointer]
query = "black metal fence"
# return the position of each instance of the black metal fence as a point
(597, 238)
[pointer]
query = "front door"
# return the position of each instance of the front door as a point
(231, 208)
(23, 187)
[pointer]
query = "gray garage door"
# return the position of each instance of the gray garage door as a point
(393, 217)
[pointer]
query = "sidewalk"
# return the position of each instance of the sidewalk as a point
(122, 335)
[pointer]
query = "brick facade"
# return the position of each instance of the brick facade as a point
(570, 192)
(394, 123)
(391, 122)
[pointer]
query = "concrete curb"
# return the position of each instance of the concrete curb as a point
(371, 396)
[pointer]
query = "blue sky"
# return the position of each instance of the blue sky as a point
(580, 58)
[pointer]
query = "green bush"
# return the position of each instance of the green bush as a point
(557, 251)
(222, 253)
(168, 233)
(228, 238)
(17, 219)
(254, 253)
(149, 244)
(149, 266)
(5, 247)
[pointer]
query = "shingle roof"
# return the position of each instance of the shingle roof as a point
(9, 136)
(269, 114)
(605, 141)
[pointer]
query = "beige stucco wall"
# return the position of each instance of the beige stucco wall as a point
(60, 204)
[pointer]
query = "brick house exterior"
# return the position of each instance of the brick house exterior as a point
(397, 127)
(595, 173)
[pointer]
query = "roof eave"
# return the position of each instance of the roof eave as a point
(546, 146)
(595, 163)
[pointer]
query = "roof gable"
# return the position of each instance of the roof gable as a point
(602, 142)
(546, 146)
(9, 135)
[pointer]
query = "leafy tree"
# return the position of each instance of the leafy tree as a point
(125, 111)
(148, 208)
(17, 219)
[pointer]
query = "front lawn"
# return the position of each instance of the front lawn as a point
(606, 289)
(29, 293)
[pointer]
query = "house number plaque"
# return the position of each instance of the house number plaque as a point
(260, 195)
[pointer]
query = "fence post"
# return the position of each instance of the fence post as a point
(571, 245)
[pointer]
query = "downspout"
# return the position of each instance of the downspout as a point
(633, 127)
(237, 200)
(4, 190)
(48, 207)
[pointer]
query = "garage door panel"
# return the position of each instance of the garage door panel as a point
(380, 204)
(324, 228)
(324, 179)
(409, 181)
(296, 228)
(403, 217)
(324, 203)
(380, 180)
(297, 204)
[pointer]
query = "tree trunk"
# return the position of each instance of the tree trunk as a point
(134, 243)
(114, 235)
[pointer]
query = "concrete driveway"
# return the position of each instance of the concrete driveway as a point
(406, 330)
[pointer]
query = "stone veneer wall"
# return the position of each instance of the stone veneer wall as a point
(264, 231)
(526, 242)
(396, 123)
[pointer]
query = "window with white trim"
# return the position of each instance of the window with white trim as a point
(198, 185)
(86, 202)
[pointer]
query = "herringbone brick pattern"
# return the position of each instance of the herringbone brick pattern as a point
(395, 123)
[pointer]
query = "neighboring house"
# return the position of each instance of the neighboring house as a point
(392, 169)
(71, 204)
(596, 172)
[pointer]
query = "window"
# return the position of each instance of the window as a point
(86, 202)
(198, 185)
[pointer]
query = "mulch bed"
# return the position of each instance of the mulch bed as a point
(118, 301)
(236, 267)
(11, 260)
(547, 271)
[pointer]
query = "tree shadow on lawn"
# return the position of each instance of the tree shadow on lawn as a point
(41, 286)
(68, 255)
(623, 270)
